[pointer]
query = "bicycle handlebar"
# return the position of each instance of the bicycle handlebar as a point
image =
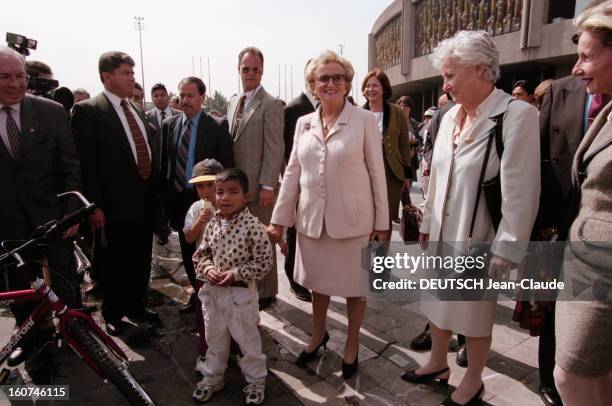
(53, 228)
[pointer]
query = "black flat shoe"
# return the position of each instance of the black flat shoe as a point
(413, 377)
(474, 401)
(349, 370)
(462, 359)
(422, 342)
(306, 357)
(550, 396)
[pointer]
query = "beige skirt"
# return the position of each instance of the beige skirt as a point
(331, 266)
(470, 318)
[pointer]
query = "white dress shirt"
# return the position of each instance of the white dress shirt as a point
(15, 113)
(116, 102)
(159, 116)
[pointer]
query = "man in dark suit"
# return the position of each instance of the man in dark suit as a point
(116, 148)
(304, 104)
(156, 116)
(38, 160)
(562, 127)
(187, 139)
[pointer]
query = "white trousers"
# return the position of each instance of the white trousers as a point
(232, 311)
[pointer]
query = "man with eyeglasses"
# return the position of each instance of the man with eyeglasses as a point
(256, 125)
(38, 160)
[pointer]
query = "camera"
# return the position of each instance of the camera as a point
(38, 84)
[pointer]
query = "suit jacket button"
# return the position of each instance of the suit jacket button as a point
(555, 161)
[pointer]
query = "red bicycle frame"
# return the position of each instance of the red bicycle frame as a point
(49, 302)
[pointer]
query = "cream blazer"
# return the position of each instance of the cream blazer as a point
(454, 177)
(340, 182)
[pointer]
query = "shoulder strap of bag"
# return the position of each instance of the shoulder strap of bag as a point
(496, 133)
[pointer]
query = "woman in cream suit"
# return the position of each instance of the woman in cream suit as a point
(470, 67)
(336, 178)
(395, 137)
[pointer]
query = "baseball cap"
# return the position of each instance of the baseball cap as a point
(205, 171)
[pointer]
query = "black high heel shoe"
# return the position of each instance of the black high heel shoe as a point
(349, 370)
(305, 357)
(474, 401)
(412, 376)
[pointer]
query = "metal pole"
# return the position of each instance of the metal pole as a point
(200, 67)
(192, 66)
(140, 28)
(285, 82)
(279, 80)
(291, 81)
(209, 87)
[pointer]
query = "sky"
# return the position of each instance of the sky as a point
(72, 34)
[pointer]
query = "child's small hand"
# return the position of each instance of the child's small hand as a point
(283, 247)
(205, 216)
(213, 277)
(227, 278)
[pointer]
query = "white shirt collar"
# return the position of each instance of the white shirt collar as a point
(114, 99)
(166, 110)
(16, 107)
(251, 93)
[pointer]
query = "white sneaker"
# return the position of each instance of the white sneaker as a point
(254, 393)
(199, 368)
(205, 391)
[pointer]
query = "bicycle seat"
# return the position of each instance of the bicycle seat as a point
(17, 357)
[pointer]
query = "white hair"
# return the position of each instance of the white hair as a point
(469, 48)
(10, 52)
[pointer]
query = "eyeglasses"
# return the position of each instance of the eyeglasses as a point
(337, 79)
(20, 77)
(255, 70)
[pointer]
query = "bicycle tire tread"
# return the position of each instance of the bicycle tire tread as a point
(109, 364)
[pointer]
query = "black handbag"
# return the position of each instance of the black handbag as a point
(493, 198)
(411, 219)
(492, 187)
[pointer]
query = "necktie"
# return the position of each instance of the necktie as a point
(142, 152)
(180, 179)
(13, 133)
(238, 117)
(163, 117)
(599, 102)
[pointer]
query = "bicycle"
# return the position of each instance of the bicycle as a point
(78, 329)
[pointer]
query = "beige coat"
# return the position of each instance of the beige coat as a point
(340, 181)
(454, 179)
(259, 144)
(591, 230)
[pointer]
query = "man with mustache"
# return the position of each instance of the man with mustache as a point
(187, 139)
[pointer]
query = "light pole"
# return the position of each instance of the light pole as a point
(139, 25)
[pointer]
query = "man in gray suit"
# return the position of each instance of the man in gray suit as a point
(256, 124)
(155, 117)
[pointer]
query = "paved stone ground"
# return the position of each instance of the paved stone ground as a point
(164, 363)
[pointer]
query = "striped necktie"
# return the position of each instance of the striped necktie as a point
(238, 116)
(142, 152)
(12, 131)
(180, 180)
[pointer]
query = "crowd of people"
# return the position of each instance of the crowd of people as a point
(326, 176)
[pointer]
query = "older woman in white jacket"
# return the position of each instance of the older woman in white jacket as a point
(469, 63)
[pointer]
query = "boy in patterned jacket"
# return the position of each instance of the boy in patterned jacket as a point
(234, 254)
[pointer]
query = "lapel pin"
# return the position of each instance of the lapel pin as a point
(307, 126)
(31, 130)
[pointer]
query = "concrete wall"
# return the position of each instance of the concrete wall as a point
(546, 45)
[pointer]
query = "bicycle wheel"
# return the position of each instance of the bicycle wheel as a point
(114, 368)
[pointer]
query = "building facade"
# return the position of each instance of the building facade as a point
(533, 38)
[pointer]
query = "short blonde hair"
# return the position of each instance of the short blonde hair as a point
(326, 57)
(598, 20)
(469, 48)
